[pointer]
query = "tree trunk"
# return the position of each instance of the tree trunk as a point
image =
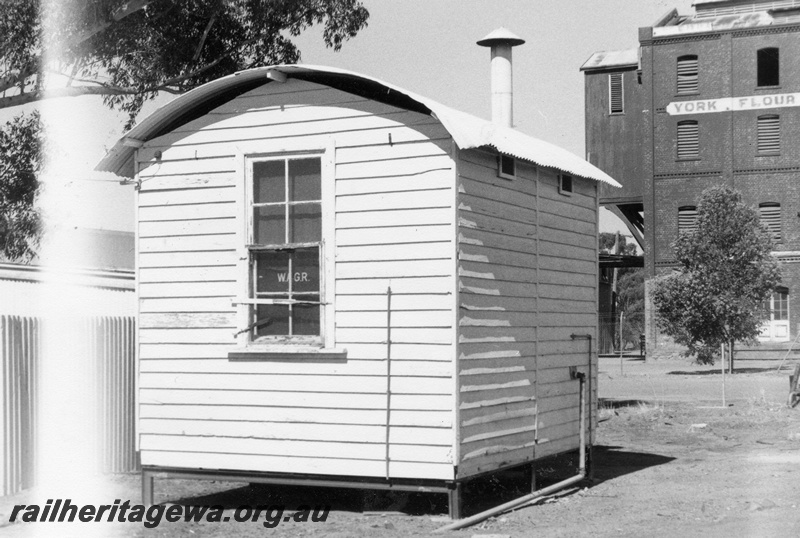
(730, 362)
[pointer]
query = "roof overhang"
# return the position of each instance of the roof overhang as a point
(468, 131)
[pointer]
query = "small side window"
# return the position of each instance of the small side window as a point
(615, 96)
(687, 74)
(769, 134)
(688, 140)
(769, 73)
(506, 166)
(565, 184)
(770, 216)
(687, 219)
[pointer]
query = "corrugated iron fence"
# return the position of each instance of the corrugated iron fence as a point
(109, 343)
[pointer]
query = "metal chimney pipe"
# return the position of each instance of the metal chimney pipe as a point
(501, 41)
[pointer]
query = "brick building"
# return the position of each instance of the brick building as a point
(708, 98)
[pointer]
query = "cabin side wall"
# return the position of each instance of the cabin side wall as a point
(394, 226)
(527, 283)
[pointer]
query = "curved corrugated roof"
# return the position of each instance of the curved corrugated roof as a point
(468, 131)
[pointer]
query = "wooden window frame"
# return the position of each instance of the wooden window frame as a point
(617, 79)
(502, 159)
(561, 181)
(295, 346)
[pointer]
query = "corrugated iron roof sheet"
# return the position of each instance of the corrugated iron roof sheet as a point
(468, 131)
(612, 58)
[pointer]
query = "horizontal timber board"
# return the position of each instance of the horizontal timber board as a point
(211, 210)
(285, 431)
(400, 302)
(187, 274)
(303, 402)
(436, 168)
(188, 227)
(208, 165)
(398, 235)
(298, 383)
(418, 318)
(299, 415)
(187, 320)
(396, 268)
(187, 259)
(186, 305)
(188, 289)
(386, 219)
(429, 197)
(295, 465)
(400, 367)
(302, 449)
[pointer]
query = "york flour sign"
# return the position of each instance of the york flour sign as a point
(727, 104)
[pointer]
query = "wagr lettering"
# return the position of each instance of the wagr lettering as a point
(298, 277)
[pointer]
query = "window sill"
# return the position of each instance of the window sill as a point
(267, 353)
(687, 94)
(767, 88)
(776, 154)
(687, 160)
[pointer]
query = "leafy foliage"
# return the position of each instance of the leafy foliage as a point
(630, 300)
(726, 273)
(20, 162)
(129, 50)
(608, 242)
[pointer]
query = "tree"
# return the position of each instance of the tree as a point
(20, 162)
(608, 242)
(726, 273)
(128, 51)
(630, 301)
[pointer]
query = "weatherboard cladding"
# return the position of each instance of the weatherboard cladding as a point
(490, 277)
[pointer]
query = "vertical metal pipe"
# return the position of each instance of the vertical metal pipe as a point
(388, 372)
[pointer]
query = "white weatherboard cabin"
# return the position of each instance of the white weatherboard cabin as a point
(344, 283)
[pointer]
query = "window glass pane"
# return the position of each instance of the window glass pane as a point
(304, 179)
(272, 320)
(305, 271)
(270, 225)
(269, 184)
(781, 301)
(305, 223)
(272, 272)
(305, 318)
(768, 67)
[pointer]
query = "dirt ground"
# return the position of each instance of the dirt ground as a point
(668, 460)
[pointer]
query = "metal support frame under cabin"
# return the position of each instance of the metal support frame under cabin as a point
(451, 488)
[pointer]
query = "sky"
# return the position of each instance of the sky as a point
(428, 47)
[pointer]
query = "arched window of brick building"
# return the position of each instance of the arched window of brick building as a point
(770, 214)
(688, 74)
(769, 133)
(769, 72)
(688, 139)
(687, 219)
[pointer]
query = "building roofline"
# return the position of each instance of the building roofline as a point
(468, 131)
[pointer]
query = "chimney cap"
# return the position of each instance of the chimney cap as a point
(501, 36)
